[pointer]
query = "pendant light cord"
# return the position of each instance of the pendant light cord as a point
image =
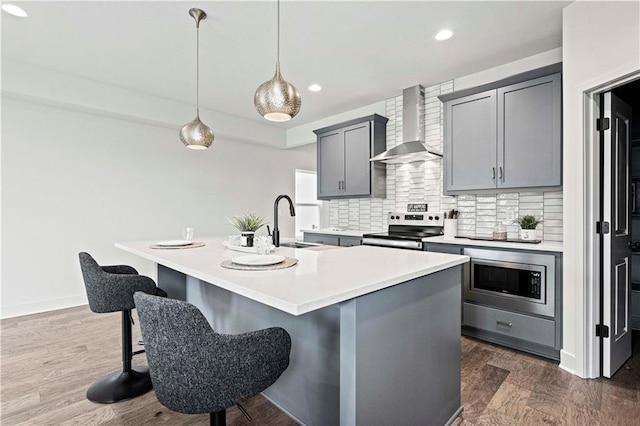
(278, 50)
(198, 69)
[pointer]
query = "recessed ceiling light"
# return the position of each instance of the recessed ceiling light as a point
(444, 35)
(315, 87)
(14, 10)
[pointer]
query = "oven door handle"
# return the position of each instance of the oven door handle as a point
(382, 242)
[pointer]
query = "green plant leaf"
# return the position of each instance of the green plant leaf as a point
(249, 222)
(528, 222)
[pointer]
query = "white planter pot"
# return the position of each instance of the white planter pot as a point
(529, 234)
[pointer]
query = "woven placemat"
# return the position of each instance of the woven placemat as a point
(286, 263)
(188, 246)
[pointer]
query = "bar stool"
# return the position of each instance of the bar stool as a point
(196, 370)
(111, 289)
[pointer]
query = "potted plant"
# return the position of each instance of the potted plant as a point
(528, 225)
(247, 224)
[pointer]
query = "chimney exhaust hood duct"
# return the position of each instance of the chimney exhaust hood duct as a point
(413, 147)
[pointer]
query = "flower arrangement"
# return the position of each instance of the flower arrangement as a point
(249, 222)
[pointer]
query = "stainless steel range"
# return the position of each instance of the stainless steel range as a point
(407, 229)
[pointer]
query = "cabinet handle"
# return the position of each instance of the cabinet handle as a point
(339, 185)
(493, 173)
(506, 324)
(500, 173)
(344, 187)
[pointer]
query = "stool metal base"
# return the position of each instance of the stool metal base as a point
(120, 386)
(219, 418)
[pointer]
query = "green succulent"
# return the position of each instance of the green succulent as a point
(528, 222)
(249, 222)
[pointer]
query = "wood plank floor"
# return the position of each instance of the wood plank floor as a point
(48, 360)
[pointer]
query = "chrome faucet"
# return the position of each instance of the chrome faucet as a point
(276, 231)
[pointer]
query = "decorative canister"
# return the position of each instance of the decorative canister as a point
(246, 238)
(499, 231)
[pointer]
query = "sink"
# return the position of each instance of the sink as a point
(299, 244)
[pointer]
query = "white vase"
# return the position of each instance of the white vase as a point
(529, 234)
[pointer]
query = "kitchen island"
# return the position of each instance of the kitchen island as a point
(375, 331)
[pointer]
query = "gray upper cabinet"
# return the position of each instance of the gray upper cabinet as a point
(470, 146)
(504, 135)
(529, 133)
(344, 150)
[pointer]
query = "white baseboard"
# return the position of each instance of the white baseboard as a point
(43, 306)
(568, 362)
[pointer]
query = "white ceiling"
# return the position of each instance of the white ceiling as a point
(361, 52)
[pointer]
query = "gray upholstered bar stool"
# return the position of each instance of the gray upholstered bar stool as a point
(196, 370)
(110, 289)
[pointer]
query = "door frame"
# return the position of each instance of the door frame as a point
(592, 267)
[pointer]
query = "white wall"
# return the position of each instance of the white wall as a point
(601, 43)
(75, 182)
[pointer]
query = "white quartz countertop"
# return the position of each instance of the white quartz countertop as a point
(335, 231)
(320, 279)
(555, 246)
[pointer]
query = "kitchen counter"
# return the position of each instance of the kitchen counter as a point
(375, 331)
(320, 279)
(552, 246)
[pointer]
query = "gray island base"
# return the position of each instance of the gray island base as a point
(390, 357)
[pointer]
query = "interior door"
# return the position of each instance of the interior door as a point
(616, 282)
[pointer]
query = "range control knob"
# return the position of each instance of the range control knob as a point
(393, 217)
(437, 217)
(430, 217)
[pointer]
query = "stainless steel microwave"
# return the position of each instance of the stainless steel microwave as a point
(517, 281)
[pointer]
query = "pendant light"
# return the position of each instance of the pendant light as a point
(277, 99)
(196, 134)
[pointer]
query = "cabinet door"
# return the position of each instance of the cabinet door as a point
(330, 240)
(357, 167)
(330, 164)
(529, 133)
(350, 241)
(470, 142)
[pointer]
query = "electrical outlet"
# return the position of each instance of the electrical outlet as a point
(511, 215)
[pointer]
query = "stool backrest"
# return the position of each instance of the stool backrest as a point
(111, 288)
(180, 346)
(196, 370)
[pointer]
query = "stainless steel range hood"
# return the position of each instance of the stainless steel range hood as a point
(413, 147)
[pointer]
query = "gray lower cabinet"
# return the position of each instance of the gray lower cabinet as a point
(537, 334)
(507, 137)
(350, 241)
(332, 240)
(512, 324)
(344, 150)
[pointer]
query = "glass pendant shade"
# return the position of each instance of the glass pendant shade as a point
(196, 134)
(277, 99)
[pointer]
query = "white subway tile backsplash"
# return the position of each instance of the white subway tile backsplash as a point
(423, 182)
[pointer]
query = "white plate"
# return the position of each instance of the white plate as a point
(174, 243)
(244, 249)
(258, 259)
